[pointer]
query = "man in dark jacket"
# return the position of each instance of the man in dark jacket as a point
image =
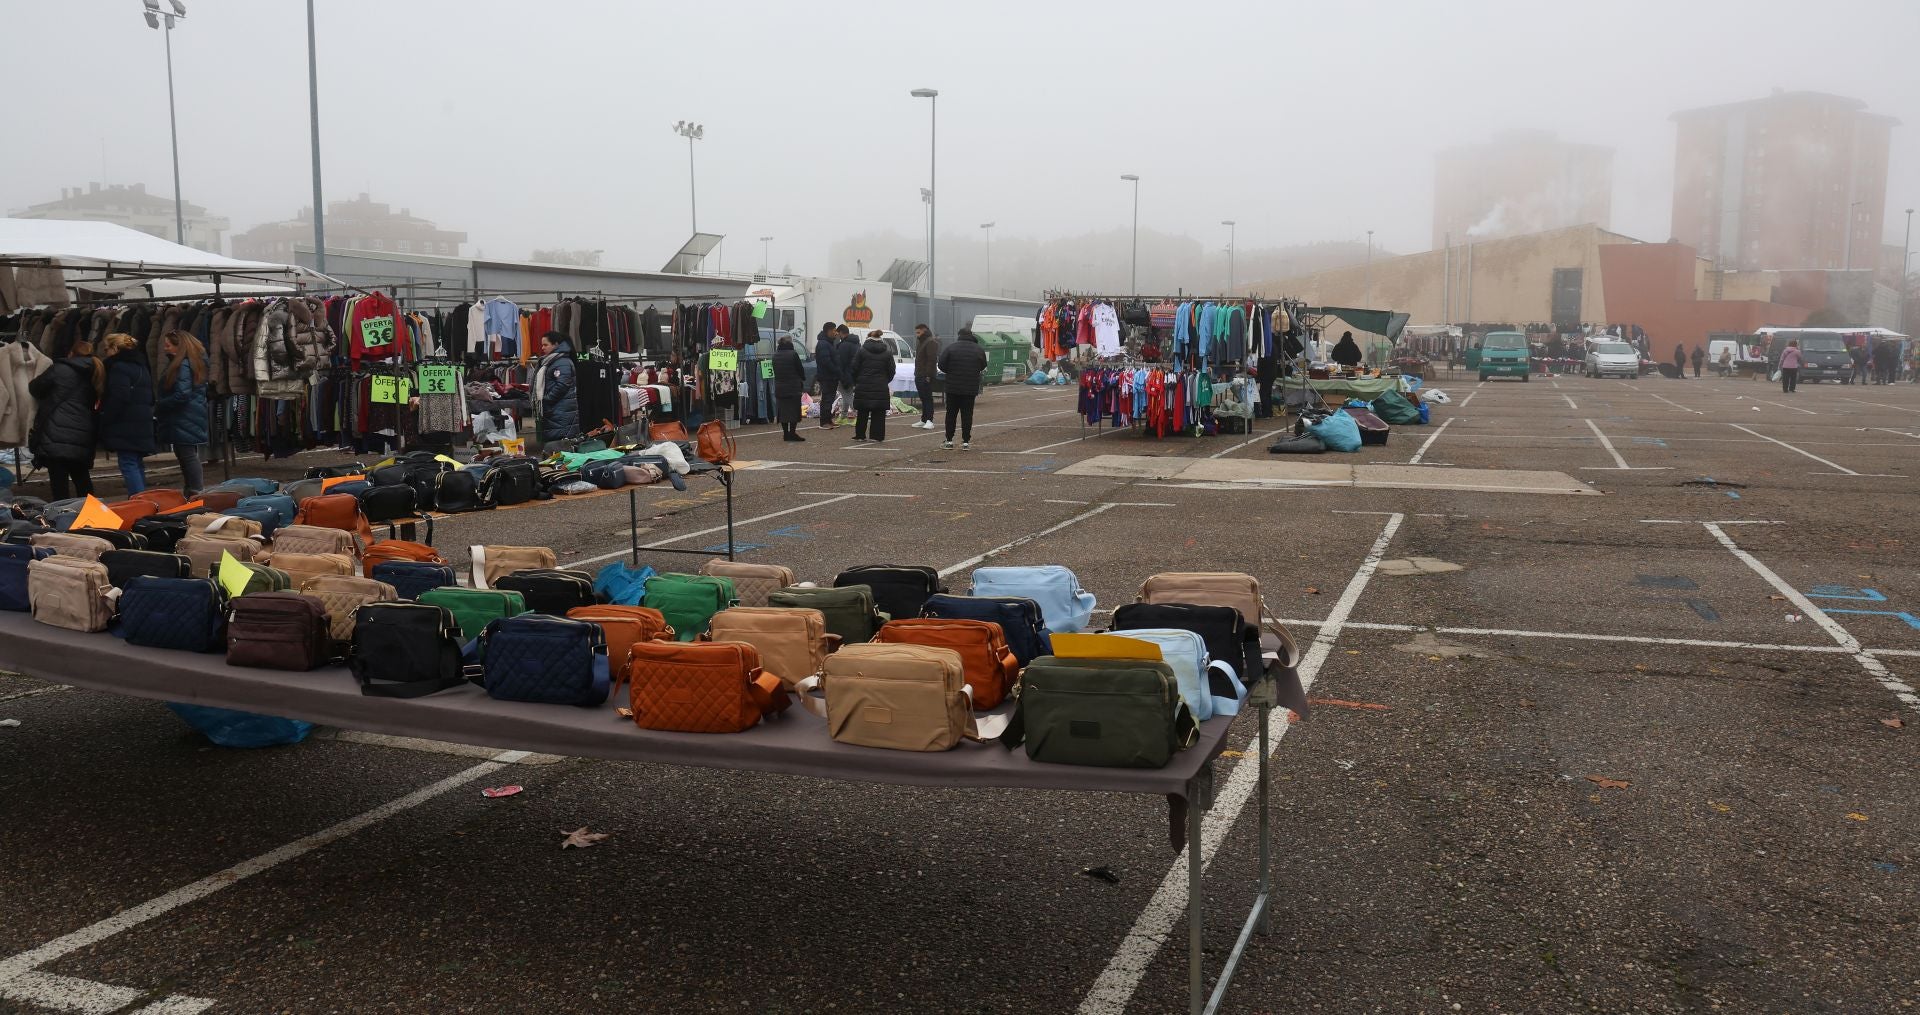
(926, 354)
(963, 362)
(826, 366)
(789, 375)
(554, 395)
(1699, 359)
(872, 375)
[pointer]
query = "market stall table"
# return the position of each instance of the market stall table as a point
(792, 744)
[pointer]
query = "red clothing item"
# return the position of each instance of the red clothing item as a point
(364, 321)
(1083, 329)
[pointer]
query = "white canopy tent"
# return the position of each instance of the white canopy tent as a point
(105, 257)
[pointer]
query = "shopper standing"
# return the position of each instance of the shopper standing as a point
(1790, 367)
(1726, 362)
(1857, 353)
(845, 348)
(826, 367)
(555, 397)
(926, 354)
(963, 362)
(64, 397)
(126, 409)
(180, 413)
(1699, 359)
(872, 375)
(789, 376)
(1680, 361)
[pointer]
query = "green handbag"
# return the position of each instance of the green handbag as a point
(689, 601)
(474, 609)
(262, 578)
(1114, 713)
(848, 609)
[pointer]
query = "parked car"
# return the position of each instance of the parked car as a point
(1501, 353)
(1612, 359)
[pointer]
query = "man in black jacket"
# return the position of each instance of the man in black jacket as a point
(963, 362)
(826, 363)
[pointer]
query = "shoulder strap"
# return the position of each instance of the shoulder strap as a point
(478, 556)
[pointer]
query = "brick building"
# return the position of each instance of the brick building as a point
(359, 224)
(1793, 180)
(1520, 182)
(132, 206)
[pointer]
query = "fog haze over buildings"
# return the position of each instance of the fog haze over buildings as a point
(547, 125)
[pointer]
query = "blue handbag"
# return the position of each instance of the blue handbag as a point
(267, 517)
(175, 613)
(1209, 688)
(257, 485)
(13, 574)
(1064, 606)
(622, 585)
(1021, 620)
(410, 578)
(543, 659)
(282, 506)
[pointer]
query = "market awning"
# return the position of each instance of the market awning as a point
(1385, 323)
(90, 253)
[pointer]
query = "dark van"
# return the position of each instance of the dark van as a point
(1823, 355)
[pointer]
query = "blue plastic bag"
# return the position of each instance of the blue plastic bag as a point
(1338, 432)
(229, 728)
(622, 585)
(1426, 414)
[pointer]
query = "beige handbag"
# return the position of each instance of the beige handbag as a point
(69, 592)
(72, 544)
(1212, 588)
(314, 539)
(223, 526)
(302, 566)
(490, 562)
(752, 583)
(901, 697)
(204, 552)
(792, 643)
(343, 596)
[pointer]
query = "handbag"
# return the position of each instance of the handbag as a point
(162, 532)
(218, 525)
(1206, 685)
(69, 592)
(898, 592)
(281, 505)
(689, 601)
(1064, 605)
(1112, 713)
(343, 595)
(336, 511)
(792, 643)
(712, 443)
(988, 666)
(387, 503)
(623, 626)
(72, 544)
(898, 697)
(300, 567)
(552, 591)
(14, 559)
(752, 583)
(848, 610)
(1228, 637)
(701, 687)
(515, 481)
(176, 613)
(410, 578)
(124, 565)
(458, 491)
(671, 430)
(474, 609)
(490, 562)
(400, 549)
(405, 650)
(313, 539)
(544, 660)
(1019, 619)
(278, 631)
(205, 552)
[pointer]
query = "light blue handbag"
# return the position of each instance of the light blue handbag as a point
(1209, 688)
(1064, 606)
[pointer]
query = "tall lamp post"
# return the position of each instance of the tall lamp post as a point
(1369, 269)
(932, 95)
(987, 228)
(766, 254)
(1231, 232)
(154, 18)
(1133, 277)
(692, 132)
(313, 111)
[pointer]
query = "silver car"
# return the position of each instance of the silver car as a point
(1606, 359)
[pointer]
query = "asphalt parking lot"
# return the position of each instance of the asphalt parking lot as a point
(1643, 749)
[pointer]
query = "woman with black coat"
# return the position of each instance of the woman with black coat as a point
(1347, 352)
(872, 377)
(63, 425)
(789, 376)
(126, 409)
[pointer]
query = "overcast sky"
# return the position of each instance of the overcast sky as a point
(546, 123)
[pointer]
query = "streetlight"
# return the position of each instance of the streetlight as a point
(1231, 231)
(1134, 273)
(313, 109)
(1850, 209)
(1369, 269)
(988, 227)
(154, 17)
(932, 95)
(692, 132)
(766, 253)
(1906, 259)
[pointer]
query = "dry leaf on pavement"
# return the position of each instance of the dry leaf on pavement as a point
(1893, 723)
(1605, 783)
(1856, 816)
(1722, 808)
(582, 838)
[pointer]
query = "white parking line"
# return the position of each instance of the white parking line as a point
(1113, 990)
(1883, 405)
(1677, 405)
(1797, 451)
(1497, 632)
(1777, 405)
(1422, 453)
(1470, 397)
(1570, 404)
(831, 499)
(1621, 463)
(1242, 444)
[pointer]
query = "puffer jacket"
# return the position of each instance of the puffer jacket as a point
(126, 406)
(63, 424)
(292, 342)
(872, 375)
(554, 396)
(180, 413)
(963, 362)
(230, 357)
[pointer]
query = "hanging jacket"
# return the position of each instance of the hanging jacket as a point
(180, 413)
(20, 363)
(872, 375)
(126, 406)
(963, 362)
(63, 422)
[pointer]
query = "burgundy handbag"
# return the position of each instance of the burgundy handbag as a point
(278, 631)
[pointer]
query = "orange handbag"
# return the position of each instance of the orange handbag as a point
(624, 625)
(131, 511)
(336, 511)
(668, 431)
(399, 549)
(990, 666)
(701, 687)
(713, 443)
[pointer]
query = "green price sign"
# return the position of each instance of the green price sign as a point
(439, 380)
(766, 368)
(376, 332)
(386, 390)
(723, 359)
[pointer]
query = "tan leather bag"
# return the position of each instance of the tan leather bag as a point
(69, 592)
(343, 595)
(301, 567)
(792, 643)
(1207, 588)
(313, 539)
(71, 544)
(223, 526)
(752, 583)
(713, 444)
(900, 697)
(204, 552)
(490, 562)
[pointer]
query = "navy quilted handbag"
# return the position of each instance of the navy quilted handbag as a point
(546, 660)
(176, 613)
(13, 574)
(1019, 619)
(411, 577)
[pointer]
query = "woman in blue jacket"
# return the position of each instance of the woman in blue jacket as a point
(180, 412)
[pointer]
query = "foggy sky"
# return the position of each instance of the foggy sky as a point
(546, 123)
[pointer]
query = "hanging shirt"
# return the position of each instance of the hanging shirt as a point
(1106, 330)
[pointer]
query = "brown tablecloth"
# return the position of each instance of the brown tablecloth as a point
(795, 743)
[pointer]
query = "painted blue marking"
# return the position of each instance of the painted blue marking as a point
(1658, 442)
(1735, 494)
(1912, 621)
(737, 547)
(1036, 468)
(1845, 592)
(791, 532)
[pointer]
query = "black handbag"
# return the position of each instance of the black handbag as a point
(458, 490)
(898, 592)
(549, 590)
(386, 503)
(161, 531)
(405, 650)
(123, 565)
(1299, 444)
(121, 540)
(511, 481)
(336, 471)
(1230, 639)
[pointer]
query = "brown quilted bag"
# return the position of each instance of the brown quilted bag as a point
(343, 595)
(701, 687)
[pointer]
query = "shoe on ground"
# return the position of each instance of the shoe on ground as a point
(966, 445)
(947, 444)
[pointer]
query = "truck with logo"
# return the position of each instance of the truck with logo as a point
(798, 306)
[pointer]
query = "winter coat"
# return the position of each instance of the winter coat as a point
(872, 375)
(63, 424)
(789, 373)
(180, 413)
(1699, 356)
(230, 354)
(926, 353)
(1679, 355)
(963, 363)
(1790, 358)
(843, 353)
(1346, 352)
(554, 395)
(20, 363)
(826, 358)
(126, 407)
